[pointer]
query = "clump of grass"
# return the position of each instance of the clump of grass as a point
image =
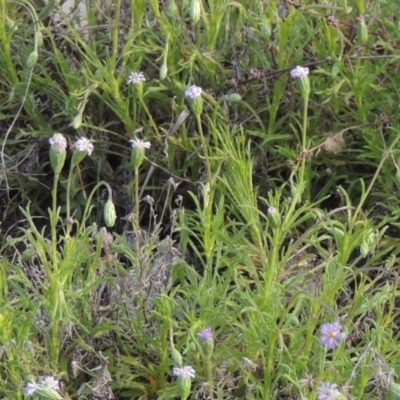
(199, 200)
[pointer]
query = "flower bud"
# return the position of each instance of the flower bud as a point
(265, 27)
(397, 177)
(274, 217)
(394, 391)
(195, 11)
(233, 97)
(58, 152)
(364, 249)
(10, 23)
(110, 215)
(77, 121)
(27, 254)
(32, 58)
(39, 38)
(206, 341)
(206, 194)
(172, 9)
(163, 70)
(362, 31)
(176, 357)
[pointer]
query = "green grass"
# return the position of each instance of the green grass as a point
(263, 209)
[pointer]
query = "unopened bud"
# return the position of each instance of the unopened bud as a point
(274, 217)
(177, 358)
(110, 215)
(265, 27)
(195, 11)
(172, 9)
(362, 31)
(77, 121)
(364, 249)
(233, 97)
(10, 23)
(39, 38)
(163, 71)
(32, 58)
(398, 177)
(394, 391)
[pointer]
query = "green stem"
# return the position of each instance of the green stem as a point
(89, 200)
(205, 150)
(136, 201)
(209, 377)
(54, 346)
(115, 29)
(53, 222)
(208, 191)
(68, 200)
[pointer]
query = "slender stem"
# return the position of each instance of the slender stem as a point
(208, 241)
(53, 222)
(205, 151)
(115, 29)
(302, 182)
(89, 200)
(136, 201)
(54, 347)
(68, 200)
(209, 377)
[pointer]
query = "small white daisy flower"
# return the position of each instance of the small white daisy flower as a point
(299, 72)
(328, 391)
(193, 92)
(139, 144)
(83, 144)
(58, 142)
(184, 372)
(50, 382)
(31, 388)
(135, 78)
